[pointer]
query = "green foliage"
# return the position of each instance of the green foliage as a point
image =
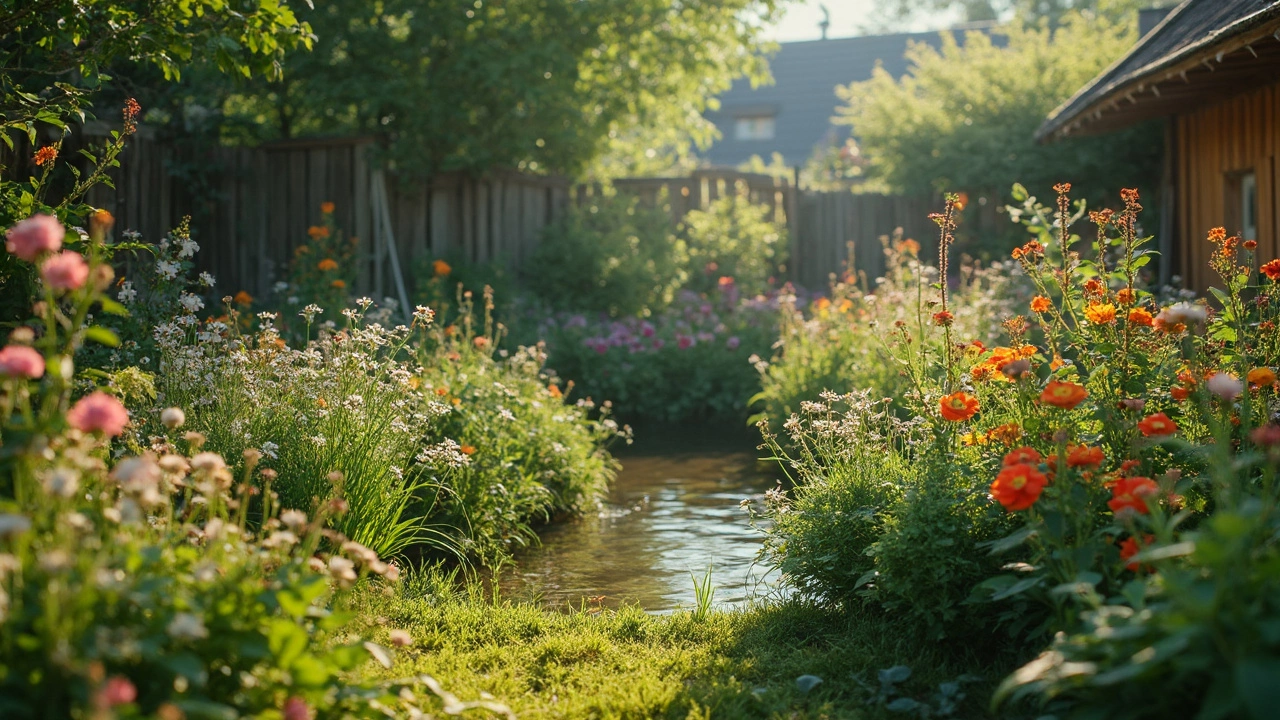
(608, 255)
(734, 238)
(1051, 10)
(964, 117)
(543, 85)
(323, 270)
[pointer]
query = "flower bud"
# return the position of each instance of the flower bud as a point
(173, 418)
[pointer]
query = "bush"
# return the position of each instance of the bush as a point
(734, 238)
(610, 255)
(692, 360)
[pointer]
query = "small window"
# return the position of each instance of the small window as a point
(1242, 204)
(759, 127)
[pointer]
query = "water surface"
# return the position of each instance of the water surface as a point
(675, 509)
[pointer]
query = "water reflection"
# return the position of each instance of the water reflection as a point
(673, 511)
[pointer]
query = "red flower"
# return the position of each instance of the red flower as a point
(1129, 547)
(1084, 456)
(1179, 393)
(1065, 395)
(1017, 487)
(943, 318)
(1157, 424)
(1025, 455)
(1272, 270)
(1131, 493)
(958, 406)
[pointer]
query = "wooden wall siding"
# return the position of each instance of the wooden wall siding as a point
(256, 210)
(1238, 134)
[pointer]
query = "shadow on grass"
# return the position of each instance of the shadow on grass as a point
(763, 662)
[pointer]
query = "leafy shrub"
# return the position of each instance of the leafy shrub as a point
(610, 255)
(735, 238)
(693, 359)
(323, 270)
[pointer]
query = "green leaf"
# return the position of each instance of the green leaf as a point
(1009, 542)
(1018, 588)
(1258, 685)
(113, 307)
(102, 336)
(286, 640)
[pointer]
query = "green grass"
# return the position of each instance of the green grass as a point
(628, 664)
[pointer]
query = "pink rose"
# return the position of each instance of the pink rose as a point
(295, 708)
(21, 361)
(117, 691)
(98, 412)
(37, 234)
(65, 271)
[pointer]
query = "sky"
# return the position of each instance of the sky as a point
(848, 17)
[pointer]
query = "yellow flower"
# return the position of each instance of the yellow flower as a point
(1100, 313)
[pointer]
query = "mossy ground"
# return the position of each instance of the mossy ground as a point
(628, 664)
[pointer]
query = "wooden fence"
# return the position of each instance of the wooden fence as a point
(251, 208)
(257, 203)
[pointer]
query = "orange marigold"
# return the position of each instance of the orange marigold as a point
(1007, 433)
(46, 155)
(958, 406)
(943, 318)
(1125, 296)
(441, 268)
(1141, 317)
(326, 265)
(1131, 493)
(554, 391)
(318, 231)
(1065, 395)
(243, 298)
(1157, 424)
(1100, 313)
(1261, 377)
(1179, 393)
(467, 449)
(1272, 270)
(338, 285)
(1040, 304)
(326, 208)
(1093, 287)
(1084, 456)
(1017, 487)
(1025, 455)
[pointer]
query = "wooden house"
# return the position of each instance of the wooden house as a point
(1211, 68)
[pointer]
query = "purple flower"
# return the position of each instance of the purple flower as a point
(732, 343)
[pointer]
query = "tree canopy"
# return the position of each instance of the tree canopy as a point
(964, 117)
(542, 85)
(1026, 10)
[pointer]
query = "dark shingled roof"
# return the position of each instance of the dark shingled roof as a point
(1187, 43)
(803, 96)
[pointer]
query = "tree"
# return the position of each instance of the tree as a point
(964, 117)
(1026, 10)
(542, 85)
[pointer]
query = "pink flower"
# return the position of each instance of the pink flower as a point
(684, 342)
(21, 361)
(117, 691)
(65, 271)
(295, 708)
(37, 234)
(732, 343)
(98, 412)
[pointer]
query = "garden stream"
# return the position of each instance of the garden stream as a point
(674, 510)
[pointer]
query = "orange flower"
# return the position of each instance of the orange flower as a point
(1025, 455)
(318, 231)
(467, 449)
(327, 264)
(943, 319)
(441, 268)
(1179, 393)
(1007, 433)
(554, 390)
(1272, 270)
(958, 406)
(243, 298)
(1140, 316)
(1100, 313)
(1249, 244)
(337, 284)
(970, 439)
(1157, 424)
(1040, 304)
(46, 155)
(1129, 548)
(1095, 288)
(1125, 296)
(480, 342)
(326, 208)
(1065, 395)
(1017, 487)
(1084, 456)
(456, 401)
(442, 391)
(1131, 493)
(1260, 377)
(909, 246)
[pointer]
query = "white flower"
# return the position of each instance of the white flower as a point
(61, 482)
(11, 524)
(310, 312)
(271, 450)
(127, 294)
(190, 303)
(187, 626)
(293, 519)
(1225, 386)
(167, 269)
(206, 279)
(187, 248)
(342, 569)
(173, 417)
